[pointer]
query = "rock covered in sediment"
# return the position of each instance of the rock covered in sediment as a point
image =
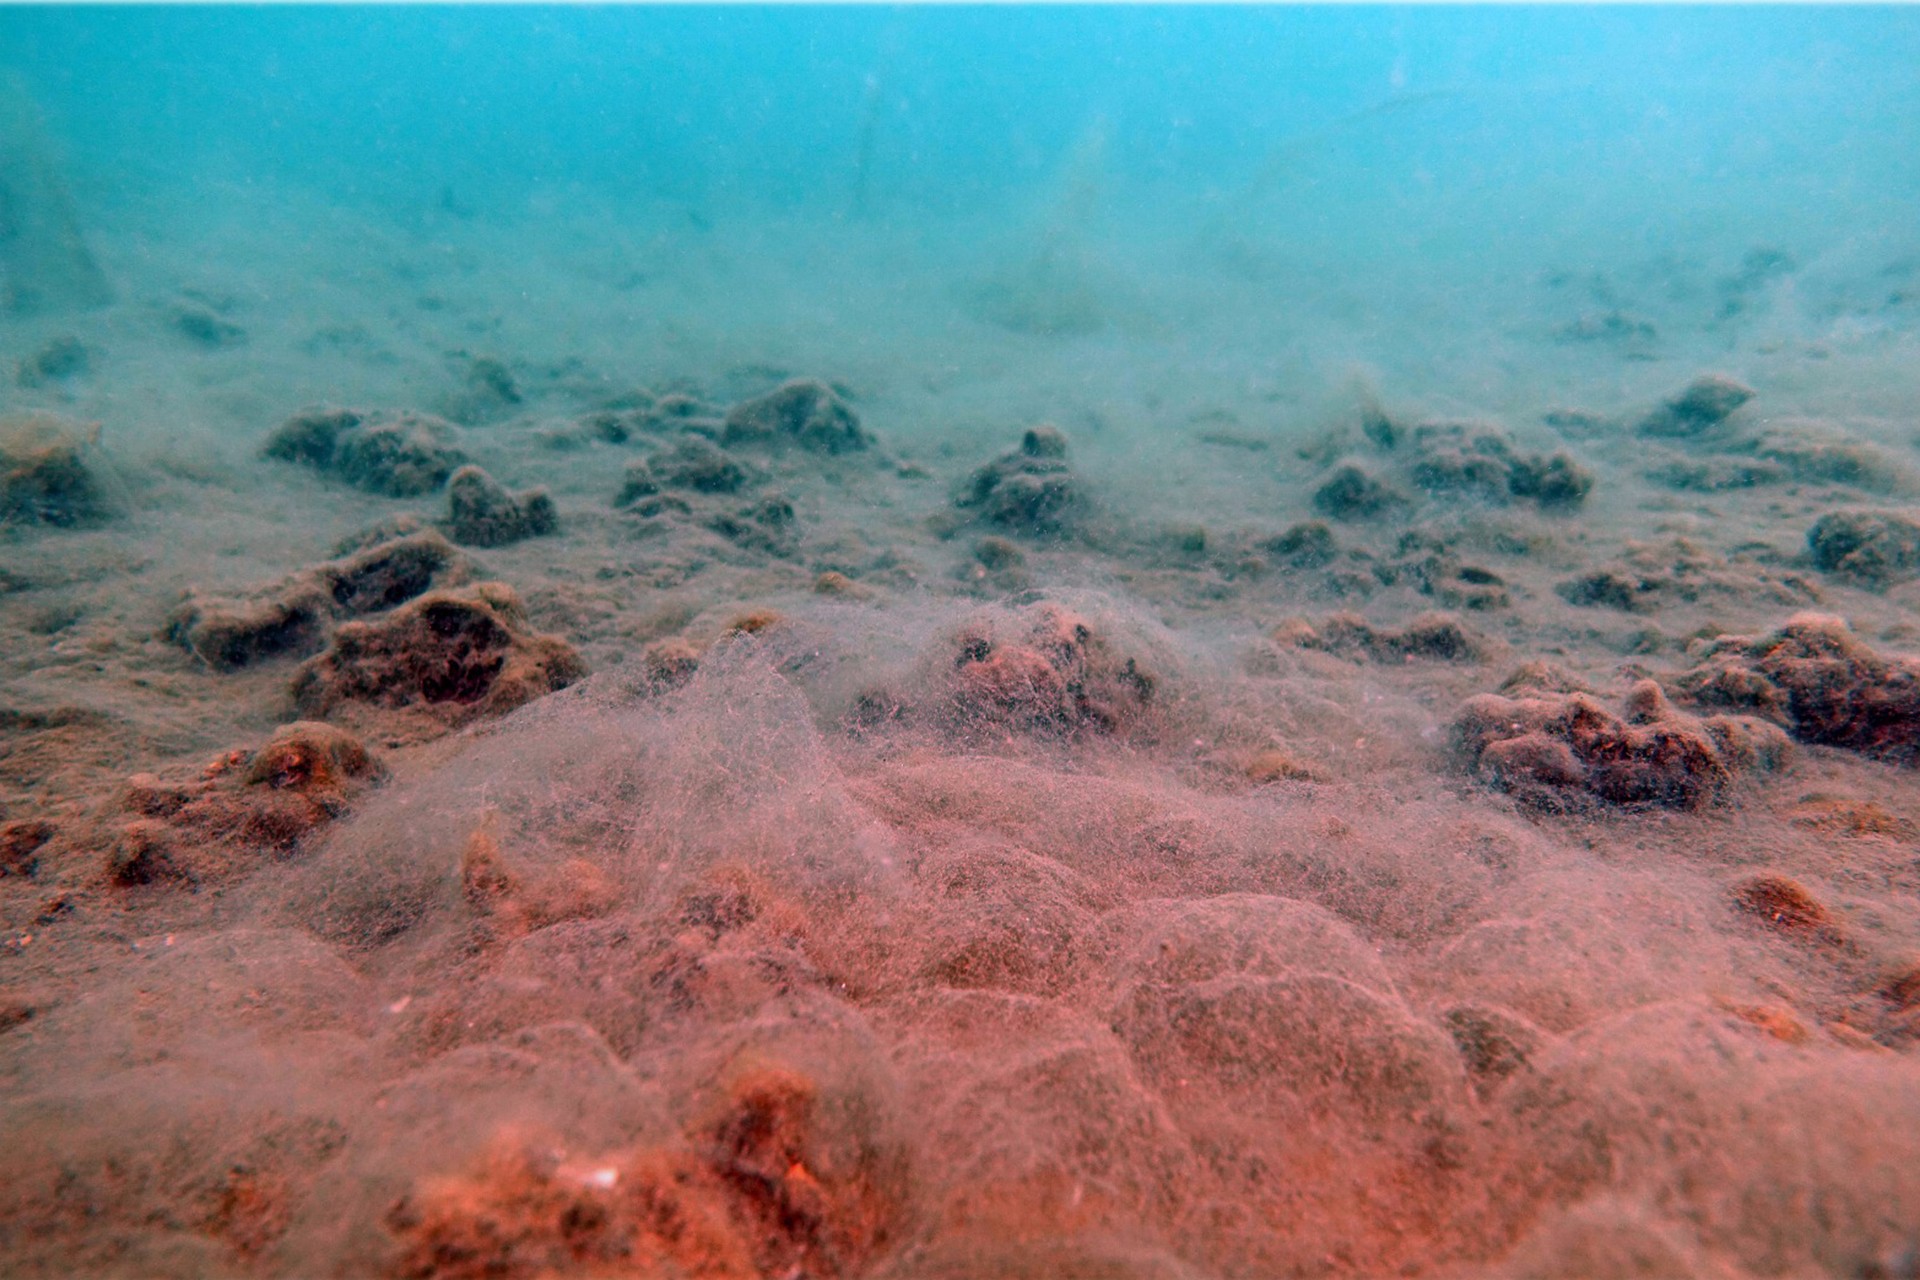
(1430, 566)
(488, 392)
(49, 472)
(1823, 452)
(692, 464)
(1307, 544)
(1048, 669)
(1818, 680)
(803, 412)
(1560, 750)
(20, 845)
(396, 454)
(1450, 462)
(452, 656)
(1029, 490)
(1870, 548)
(1646, 576)
(58, 360)
(293, 617)
(1351, 493)
(245, 806)
(482, 513)
(1437, 637)
(792, 1161)
(1468, 459)
(1704, 404)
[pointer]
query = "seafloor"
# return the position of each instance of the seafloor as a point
(1077, 764)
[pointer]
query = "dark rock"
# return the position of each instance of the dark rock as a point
(636, 483)
(45, 265)
(803, 412)
(609, 426)
(1351, 494)
(769, 525)
(1462, 458)
(1029, 490)
(491, 375)
(1649, 575)
(400, 455)
(1464, 586)
(1493, 1043)
(1306, 545)
(995, 564)
(46, 476)
(410, 455)
(20, 845)
(699, 465)
(230, 634)
(453, 656)
(1434, 570)
(996, 554)
(1716, 474)
(1579, 421)
(1044, 441)
(1050, 672)
(1816, 678)
(1032, 502)
(1759, 268)
(1706, 403)
(1874, 548)
(1785, 906)
(641, 412)
(1376, 424)
(1564, 751)
(308, 756)
(388, 530)
(311, 436)
(1822, 452)
(1611, 588)
(60, 359)
(1629, 335)
(143, 854)
(1437, 637)
(1557, 481)
(251, 803)
(488, 392)
(205, 328)
(1182, 542)
(481, 513)
(294, 616)
(384, 574)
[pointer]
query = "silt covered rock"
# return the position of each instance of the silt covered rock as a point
(294, 616)
(802, 412)
(47, 472)
(397, 454)
(1561, 751)
(455, 656)
(1029, 490)
(1872, 548)
(1704, 404)
(245, 806)
(1818, 680)
(482, 513)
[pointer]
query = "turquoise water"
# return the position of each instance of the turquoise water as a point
(1539, 120)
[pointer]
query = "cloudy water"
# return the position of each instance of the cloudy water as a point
(950, 643)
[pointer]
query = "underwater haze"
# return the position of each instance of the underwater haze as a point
(959, 643)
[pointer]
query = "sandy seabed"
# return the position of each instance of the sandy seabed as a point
(634, 758)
